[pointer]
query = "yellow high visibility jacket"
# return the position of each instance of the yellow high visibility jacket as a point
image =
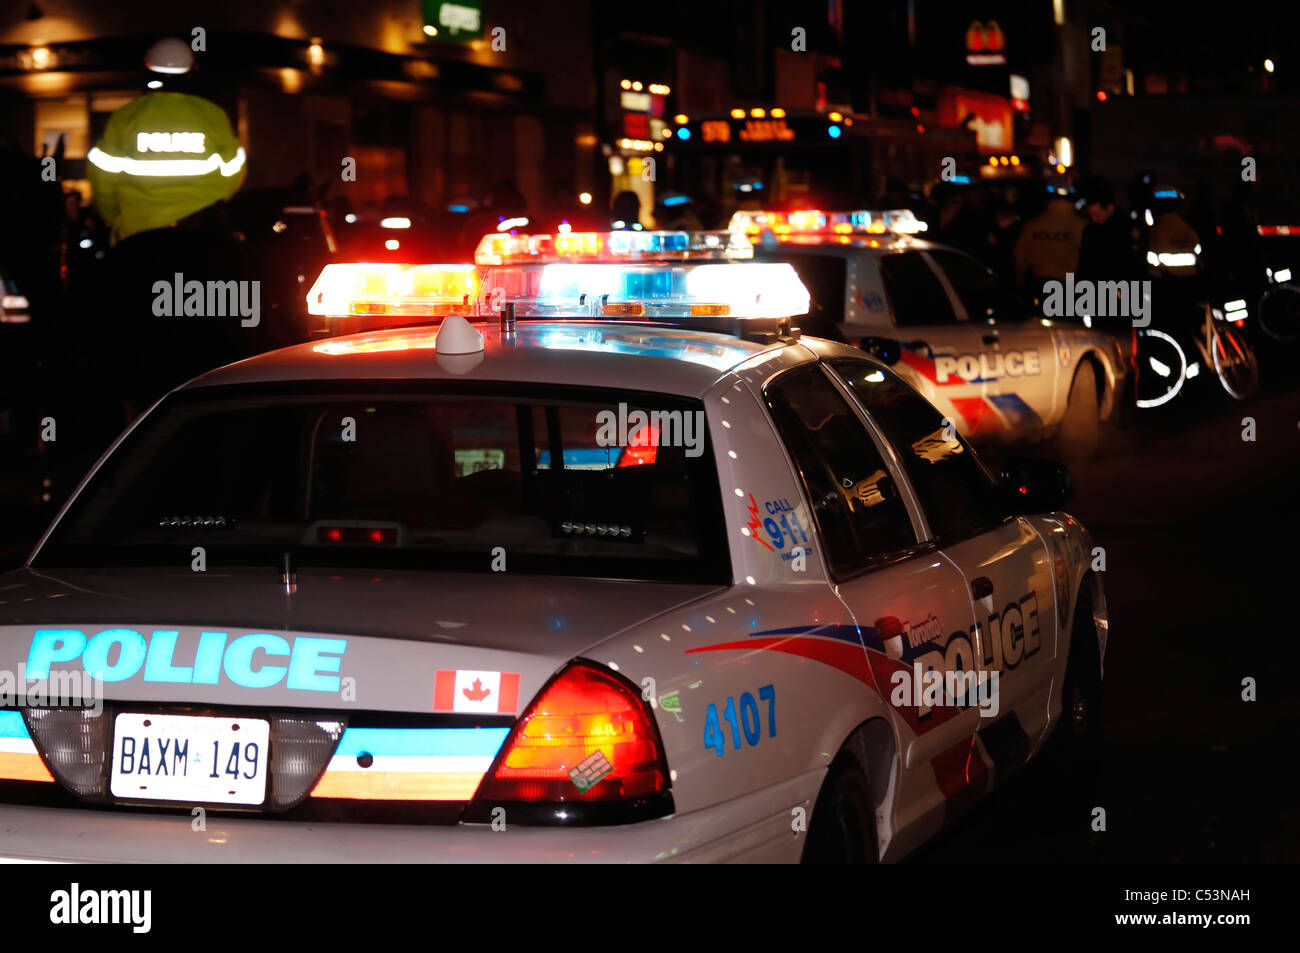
(1048, 246)
(1171, 233)
(162, 157)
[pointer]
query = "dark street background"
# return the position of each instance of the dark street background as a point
(1198, 528)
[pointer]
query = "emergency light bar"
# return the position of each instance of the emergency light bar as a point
(815, 222)
(739, 290)
(612, 246)
(391, 290)
(563, 289)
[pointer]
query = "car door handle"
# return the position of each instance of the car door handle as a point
(981, 587)
(990, 339)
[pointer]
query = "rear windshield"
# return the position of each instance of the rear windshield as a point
(362, 475)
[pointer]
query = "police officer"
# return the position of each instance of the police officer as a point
(165, 155)
(1048, 247)
(1171, 235)
(160, 174)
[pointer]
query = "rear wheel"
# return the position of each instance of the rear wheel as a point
(1075, 756)
(1079, 434)
(843, 829)
(1278, 312)
(1234, 363)
(1079, 732)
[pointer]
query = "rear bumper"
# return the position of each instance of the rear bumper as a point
(756, 827)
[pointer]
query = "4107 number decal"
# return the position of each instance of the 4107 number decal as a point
(743, 719)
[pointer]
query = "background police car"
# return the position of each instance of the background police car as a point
(964, 341)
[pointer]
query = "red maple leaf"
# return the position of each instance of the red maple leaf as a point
(477, 692)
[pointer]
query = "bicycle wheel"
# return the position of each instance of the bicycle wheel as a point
(1234, 363)
(1162, 368)
(1278, 313)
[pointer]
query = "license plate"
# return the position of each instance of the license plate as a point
(189, 758)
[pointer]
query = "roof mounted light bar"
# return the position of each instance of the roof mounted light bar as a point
(747, 290)
(686, 292)
(396, 291)
(613, 246)
(817, 222)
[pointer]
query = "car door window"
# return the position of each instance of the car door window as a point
(956, 492)
(824, 276)
(916, 295)
(981, 294)
(859, 513)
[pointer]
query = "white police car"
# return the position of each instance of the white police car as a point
(592, 581)
(965, 342)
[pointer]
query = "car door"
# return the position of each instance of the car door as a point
(1017, 354)
(939, 351)
(1005, 565)
(910, 602)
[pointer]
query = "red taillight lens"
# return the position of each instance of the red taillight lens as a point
(588, 737)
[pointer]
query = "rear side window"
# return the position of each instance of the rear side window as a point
(858, 511)
(915, 292)
(955, 490)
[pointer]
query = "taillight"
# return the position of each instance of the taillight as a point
(588, 740)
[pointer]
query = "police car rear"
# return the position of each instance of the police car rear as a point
(357, 580)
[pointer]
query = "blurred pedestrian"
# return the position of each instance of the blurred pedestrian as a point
(1003, 234)
(625, 212)
(1108, 249)
(675, 211)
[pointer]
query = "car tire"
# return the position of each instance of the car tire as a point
(843, 829)
(1079, 733)
(1079, 434)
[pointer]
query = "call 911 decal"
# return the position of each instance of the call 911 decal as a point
(780, 530)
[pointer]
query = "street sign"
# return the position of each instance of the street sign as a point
(457, 22)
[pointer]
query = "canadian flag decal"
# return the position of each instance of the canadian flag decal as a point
(472, 691)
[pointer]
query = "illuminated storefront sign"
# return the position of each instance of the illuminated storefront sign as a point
(987, 115)
(766, 130)
(715, 130)
(985, 44)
